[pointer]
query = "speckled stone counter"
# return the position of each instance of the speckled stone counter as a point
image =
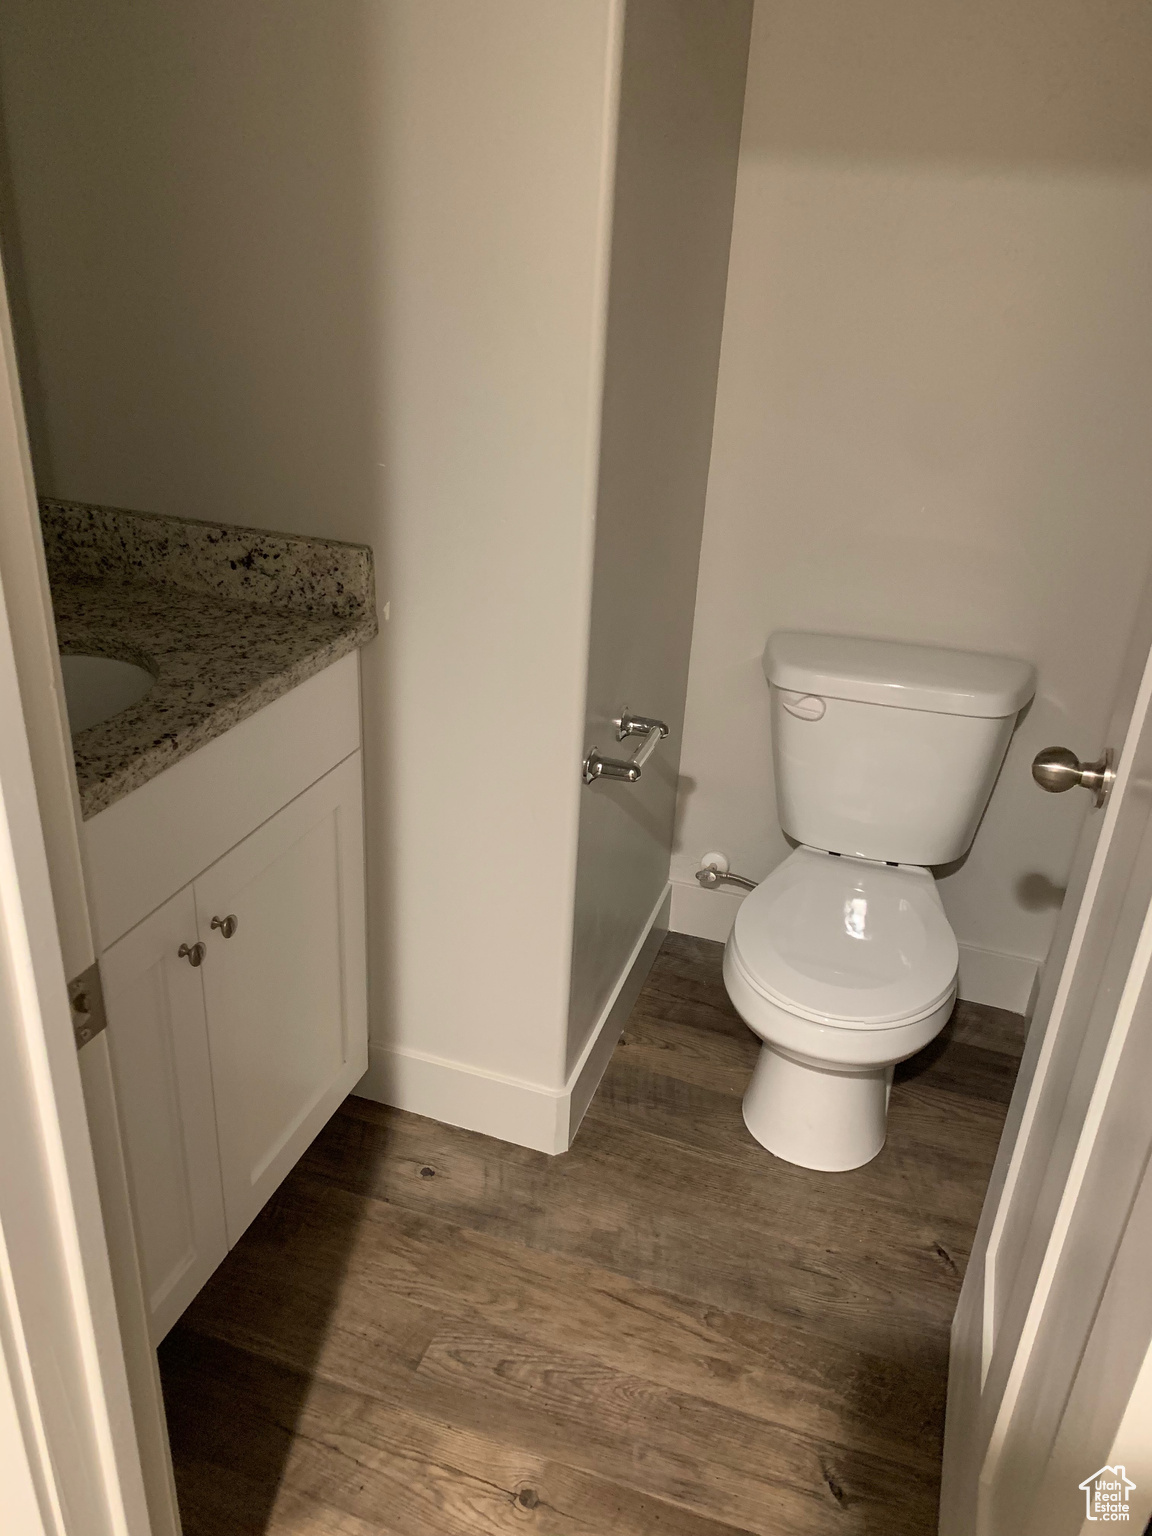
(226, 618)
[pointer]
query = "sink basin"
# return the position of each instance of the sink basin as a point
(97, 687)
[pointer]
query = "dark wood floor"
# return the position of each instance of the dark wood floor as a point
(665, 1332)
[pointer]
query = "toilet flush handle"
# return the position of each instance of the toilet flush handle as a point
(805, 706)
(1057, 769)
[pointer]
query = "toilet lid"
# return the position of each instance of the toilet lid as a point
(842, 940)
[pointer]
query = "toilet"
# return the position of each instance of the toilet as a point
(842, 961)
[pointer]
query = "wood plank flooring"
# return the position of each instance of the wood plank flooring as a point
(665, 1332)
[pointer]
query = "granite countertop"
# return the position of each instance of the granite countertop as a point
(226, 618)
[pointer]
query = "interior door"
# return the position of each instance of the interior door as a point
(1041, 1303)
(282, 916)
(158, 1038)
(73, 1305)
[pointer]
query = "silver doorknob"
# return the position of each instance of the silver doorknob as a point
(227, 925)
(1057, 769)
(193, 953)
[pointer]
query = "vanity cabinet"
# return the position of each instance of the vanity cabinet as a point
(226, 1069)
(285, 994)
(237, 1008)
(158, 1042)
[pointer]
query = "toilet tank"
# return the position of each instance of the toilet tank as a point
(884, 750)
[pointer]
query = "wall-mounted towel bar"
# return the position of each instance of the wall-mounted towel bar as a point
(628, 769)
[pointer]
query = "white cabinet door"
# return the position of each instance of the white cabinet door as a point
(287, 1011)
(158, 1041)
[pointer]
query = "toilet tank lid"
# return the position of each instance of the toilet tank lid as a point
(904, 676)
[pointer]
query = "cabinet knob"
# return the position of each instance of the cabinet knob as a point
(227, 925)
(193, 953)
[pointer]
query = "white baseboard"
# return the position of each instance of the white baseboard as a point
(1000, 980)
(986, 975)
(704, 914)
(511, 1109)
(585, 1076)
(455, 1094)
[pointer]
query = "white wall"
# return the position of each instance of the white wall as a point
(681, 95)
(933, 403)
(340, 269)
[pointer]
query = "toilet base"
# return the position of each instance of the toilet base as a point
(828, 1120)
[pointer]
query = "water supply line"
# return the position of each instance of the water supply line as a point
(714, 871)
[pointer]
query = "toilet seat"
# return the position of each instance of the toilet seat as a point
(844, 941)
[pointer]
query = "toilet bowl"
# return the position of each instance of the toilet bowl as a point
(843, 967)
(842, 961)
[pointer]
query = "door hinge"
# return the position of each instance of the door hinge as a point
(86, 995)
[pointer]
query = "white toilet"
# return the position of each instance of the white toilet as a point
(843, 961)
